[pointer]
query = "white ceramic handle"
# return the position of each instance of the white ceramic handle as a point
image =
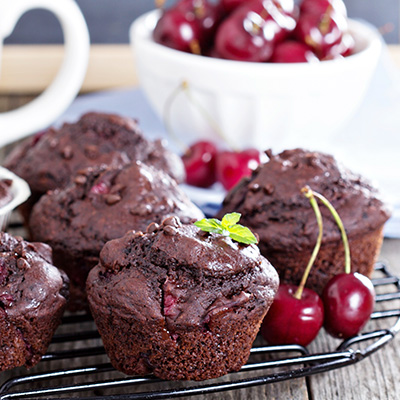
(42, 111)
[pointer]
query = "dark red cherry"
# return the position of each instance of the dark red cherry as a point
(291, 51)
(343, 49)
(348, 303)
(229, 5)
(241, 37)
(212, 52)
(232, 166)
(252, 30)
(199, 162)
(206, 14)
(175, 30)
(293, 321)
(320, 32)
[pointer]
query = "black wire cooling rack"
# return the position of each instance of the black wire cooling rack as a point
(277, 363)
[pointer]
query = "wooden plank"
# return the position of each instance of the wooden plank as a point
(31, 68)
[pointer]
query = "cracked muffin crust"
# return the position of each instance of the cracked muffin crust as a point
(179, 302)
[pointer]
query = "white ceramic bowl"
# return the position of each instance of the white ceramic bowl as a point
(254, 104)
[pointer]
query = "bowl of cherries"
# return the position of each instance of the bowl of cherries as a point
(267, 73)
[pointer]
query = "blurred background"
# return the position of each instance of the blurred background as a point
(109, 20)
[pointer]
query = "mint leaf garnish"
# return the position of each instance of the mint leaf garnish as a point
(228, 227)
(230, 219)
(209, 225)
(242, 234)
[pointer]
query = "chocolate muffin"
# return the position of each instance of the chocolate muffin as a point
(103, 203)
(179, 302)
(33, 296)
(48, 160)
(5, 192)
(272, 205)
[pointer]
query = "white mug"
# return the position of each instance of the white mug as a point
(43, 110)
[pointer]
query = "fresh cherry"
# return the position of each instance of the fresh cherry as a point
(199, 162)
(320, 32)
(232, 166)
(175, 30)
(291, 51)
(343, 49)
(206, 14)
(188, 26)
(292, 320)
(241, 37)
(348, 302)
(252, 30)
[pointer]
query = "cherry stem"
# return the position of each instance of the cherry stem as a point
(336, 217)
(195, 47)
(199, 9)
(310, 195)
(325, 20)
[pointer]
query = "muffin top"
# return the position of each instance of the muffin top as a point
(48, 159)
(104, 202)
(178, 272)
(30, 286)
(271, 202)
(5, 192)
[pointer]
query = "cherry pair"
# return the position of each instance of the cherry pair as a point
(297, 313)
(346, 306)
(205, 165)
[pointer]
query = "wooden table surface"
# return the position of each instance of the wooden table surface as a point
(377, 377)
